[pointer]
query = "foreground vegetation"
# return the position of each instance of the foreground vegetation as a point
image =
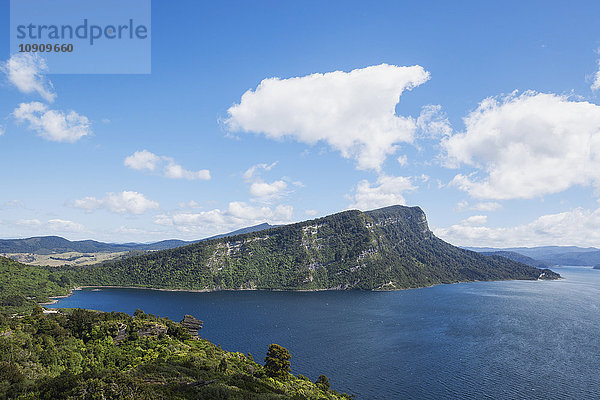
(390, 248)
(22, 287)
(93, 355)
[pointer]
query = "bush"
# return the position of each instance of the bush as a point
(277, 361)
(323, 382)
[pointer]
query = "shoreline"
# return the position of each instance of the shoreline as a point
(55, 299)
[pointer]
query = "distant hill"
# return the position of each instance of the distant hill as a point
(552, 255)
(389, 248)
(517, 257)
(56, 244)
(250, 229)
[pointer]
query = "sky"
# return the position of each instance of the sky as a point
(484, 114)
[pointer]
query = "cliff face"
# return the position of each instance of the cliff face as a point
(388, 248)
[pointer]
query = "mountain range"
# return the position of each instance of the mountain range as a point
(549, 255)
(57, 244)
(384, 249)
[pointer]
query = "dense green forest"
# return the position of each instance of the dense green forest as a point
(517, 257)
(82, 354)
(22, 287)
(389, 248)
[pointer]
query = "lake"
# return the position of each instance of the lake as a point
(495, 340)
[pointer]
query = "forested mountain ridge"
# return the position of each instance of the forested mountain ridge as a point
(517, 257)
(388, 248)
(552, 255)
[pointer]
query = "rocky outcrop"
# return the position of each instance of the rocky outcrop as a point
(191, 324)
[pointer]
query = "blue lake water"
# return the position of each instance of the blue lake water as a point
(482, 340)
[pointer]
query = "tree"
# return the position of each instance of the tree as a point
(323, 382)
(277, 361)
(222, 365)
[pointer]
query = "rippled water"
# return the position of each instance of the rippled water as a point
(496, 340)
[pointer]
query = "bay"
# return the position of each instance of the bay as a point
(495, 340)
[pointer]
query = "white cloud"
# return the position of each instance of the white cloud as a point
(189, 204)
(402, 160)
(142, 160)
(2, 130)
(26, 72)
(176, 171)
(387, 191)
(528, 145)
(145, 160)
(433, 123)
(53, 125)
(475, 220)
(353, 112)
(487, 206)
(29, 222)
(482, 206)
(237, 215)
(596, 82)
(577, 227)
(61, 225)
(126, 202)
(264, 189)
(311, 213)
(254, 170)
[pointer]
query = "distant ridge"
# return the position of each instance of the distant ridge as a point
(57, 244)
(552, 255)
(517, 257)
(384, 249)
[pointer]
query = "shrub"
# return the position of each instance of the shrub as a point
(277, 361)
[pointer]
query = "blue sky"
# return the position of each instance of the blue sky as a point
(485, 115)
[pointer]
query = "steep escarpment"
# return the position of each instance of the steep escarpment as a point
(389, 248)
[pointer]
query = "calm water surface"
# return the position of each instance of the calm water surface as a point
(483, 340)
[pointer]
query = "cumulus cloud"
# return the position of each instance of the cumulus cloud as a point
(576, 227)
(26, 72)
(527, 146)
(166, 166)
(264, 189)
(61, 225)
(237, 215)
(57, 126)
(386, 191)
(353, 112)
(126, 202)
(189, 204)
(433, 123)
(481, 206)
(142, 160)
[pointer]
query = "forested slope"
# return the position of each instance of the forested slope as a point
(90, 355)
(389, 248)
